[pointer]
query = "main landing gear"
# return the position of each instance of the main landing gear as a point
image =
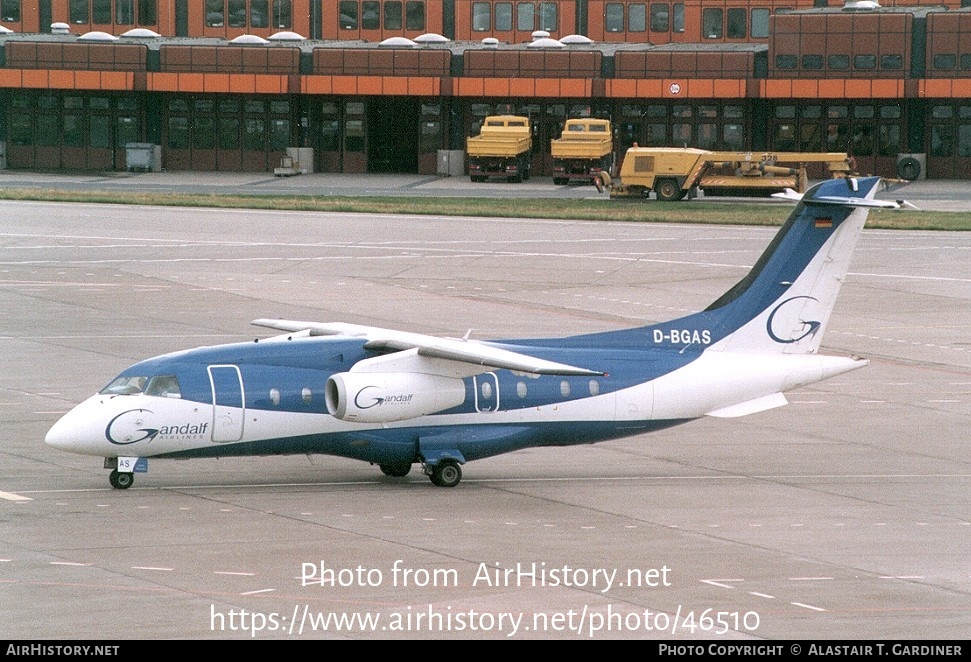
(397, 470)
(446, 473)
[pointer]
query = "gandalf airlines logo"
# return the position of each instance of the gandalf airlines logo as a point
(809, 328)
(379, 400)
(125, 428)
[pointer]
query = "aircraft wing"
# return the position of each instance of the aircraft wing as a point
(416, 352)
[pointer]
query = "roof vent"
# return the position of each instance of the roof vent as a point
(60, 28)
(490, 42)
(574, 39)
(5, 30)
(545, 43)
(286, 35)
(540, 34)
(97, 35)
(141, 33)
(860, 5)
(398, 42)
(431, 38)
(248, 39)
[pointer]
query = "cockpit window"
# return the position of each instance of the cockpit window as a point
(125, 386)
(166, 386)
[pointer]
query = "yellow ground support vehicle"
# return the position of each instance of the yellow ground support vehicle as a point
(585, 149)
(673, 173)
(503, 148)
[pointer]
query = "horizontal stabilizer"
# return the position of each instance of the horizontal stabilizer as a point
(751, 407)
(844, 201)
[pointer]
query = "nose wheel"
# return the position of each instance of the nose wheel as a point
(121, 480)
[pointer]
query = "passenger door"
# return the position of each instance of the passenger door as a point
(228, 410)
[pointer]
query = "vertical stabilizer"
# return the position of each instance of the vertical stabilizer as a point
(783, 306)
(784, 303)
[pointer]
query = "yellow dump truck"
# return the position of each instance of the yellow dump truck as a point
(585, 149)
(503, 148)
(673, 173)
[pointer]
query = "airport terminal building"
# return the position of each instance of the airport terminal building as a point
(363, 86)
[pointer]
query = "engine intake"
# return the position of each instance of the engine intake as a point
(370, 397)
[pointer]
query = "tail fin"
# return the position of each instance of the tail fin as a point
(784, 304)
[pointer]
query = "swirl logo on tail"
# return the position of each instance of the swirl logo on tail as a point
(809, 327)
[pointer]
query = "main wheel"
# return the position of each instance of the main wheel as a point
(668, 190)
(447, 473)
(121, 480)
(397, 470)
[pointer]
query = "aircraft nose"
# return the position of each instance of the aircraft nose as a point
(63, 434)
(77, 431)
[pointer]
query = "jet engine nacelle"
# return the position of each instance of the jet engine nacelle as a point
(374, 397)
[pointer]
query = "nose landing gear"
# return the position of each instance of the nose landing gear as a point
(121, 480)
(123, 470)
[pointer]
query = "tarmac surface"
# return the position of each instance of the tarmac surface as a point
(932, 195)
(844, 515)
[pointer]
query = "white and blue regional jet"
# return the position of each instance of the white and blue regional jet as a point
(395, 399)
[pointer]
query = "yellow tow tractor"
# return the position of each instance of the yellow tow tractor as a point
(674, 173)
